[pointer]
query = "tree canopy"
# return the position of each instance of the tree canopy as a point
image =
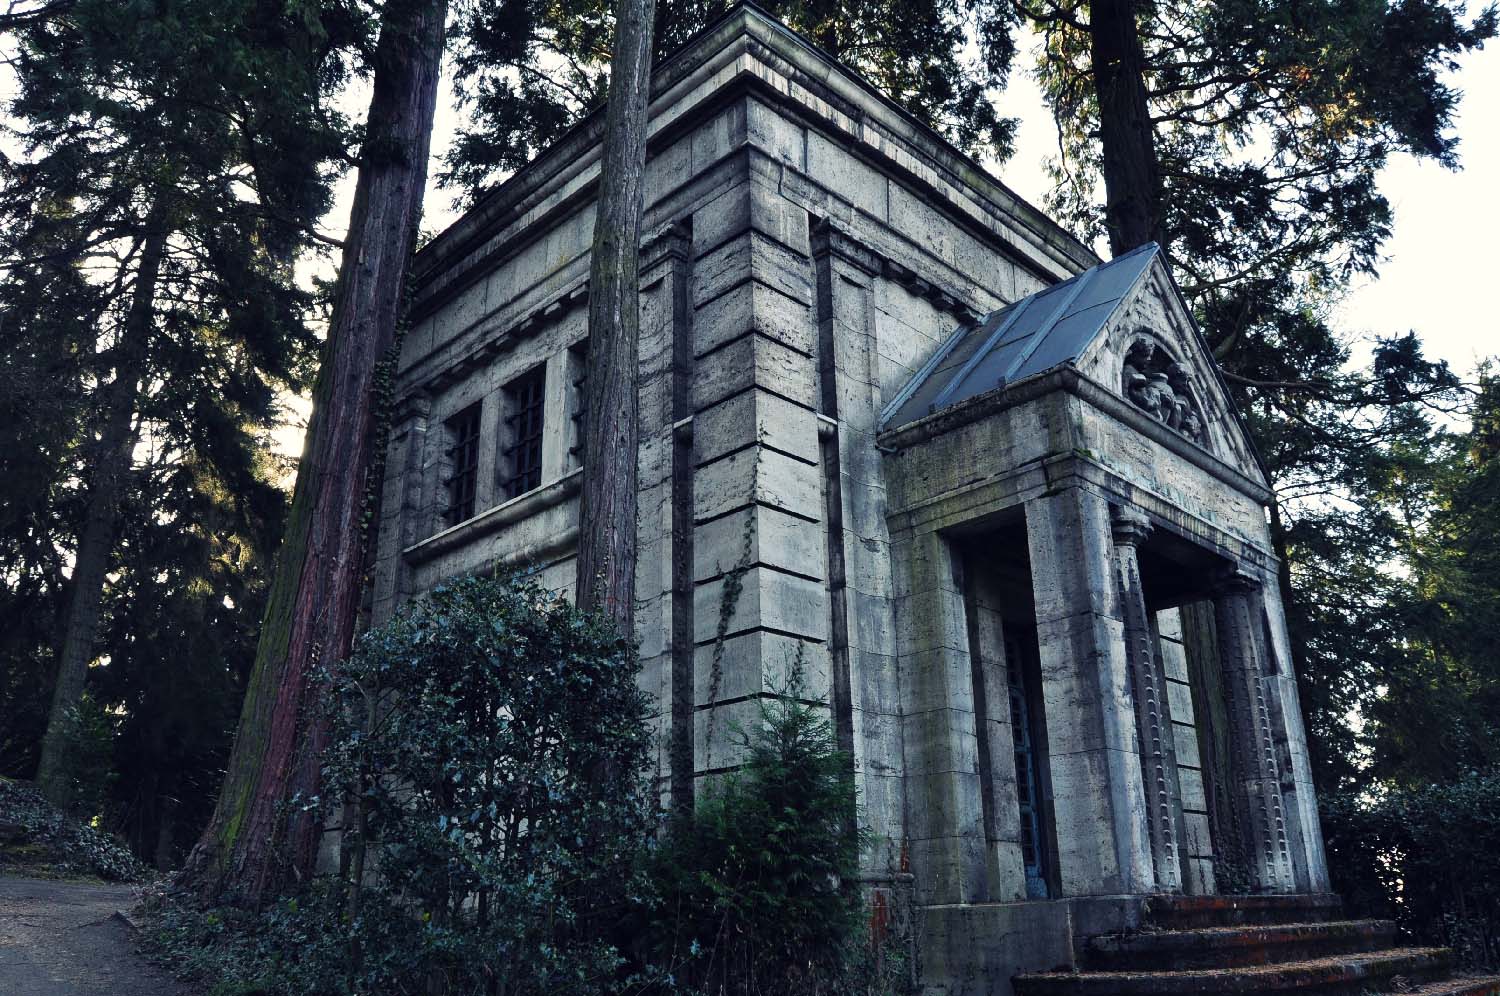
(171, 162)
(527, 71)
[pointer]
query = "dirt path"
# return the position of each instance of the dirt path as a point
(68, 939)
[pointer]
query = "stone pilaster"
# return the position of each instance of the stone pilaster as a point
(1099, 802)
(664, 584)
(945, 811)
(1253, 765)
(864, 690)
(1148, 692)
(760, 598)
(991, 670)
(403, 511)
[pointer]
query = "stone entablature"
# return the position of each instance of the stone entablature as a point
(1007, 583)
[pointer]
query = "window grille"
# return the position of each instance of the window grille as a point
(526, 395)
(579, 373)
(1028, 780)
(463, 458)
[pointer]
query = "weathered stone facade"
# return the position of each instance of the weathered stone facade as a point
(1036, 591)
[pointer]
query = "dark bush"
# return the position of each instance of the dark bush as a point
(488, 760)
(1427, 857)
(758, 888)
(37, 838)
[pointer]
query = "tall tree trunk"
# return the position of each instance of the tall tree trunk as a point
(606, 546)
(108, 473)
(1132, 174)
(259, 839)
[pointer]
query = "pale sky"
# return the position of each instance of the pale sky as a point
(1441, 264)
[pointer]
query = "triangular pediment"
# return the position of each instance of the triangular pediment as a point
(1123, 324)
(1151, 352)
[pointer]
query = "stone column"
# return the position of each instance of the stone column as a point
(1098, 800)
(1256, 787)
(1148, 692)
(1298, 799)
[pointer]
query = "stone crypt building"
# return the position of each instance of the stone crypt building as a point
(989, 490)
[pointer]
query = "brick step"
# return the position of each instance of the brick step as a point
(1232, 947)
(1341, 975)
(1471, 985)
(1177, 912)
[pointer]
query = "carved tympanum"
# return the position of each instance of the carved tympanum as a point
(1158, 385)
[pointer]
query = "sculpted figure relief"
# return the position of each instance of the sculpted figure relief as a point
(1158, 385)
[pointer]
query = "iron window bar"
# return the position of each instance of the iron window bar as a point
(463, 456)
(523, 456)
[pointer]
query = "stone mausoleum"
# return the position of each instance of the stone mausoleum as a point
(989, 490)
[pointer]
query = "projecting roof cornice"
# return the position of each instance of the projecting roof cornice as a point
(747, 51)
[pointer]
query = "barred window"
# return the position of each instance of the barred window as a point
(578, 374)
(525, 396)
(463, 459)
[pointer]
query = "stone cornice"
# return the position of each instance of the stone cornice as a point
(1068, 379)
(745, 49)
(482, 348)
(830, 237)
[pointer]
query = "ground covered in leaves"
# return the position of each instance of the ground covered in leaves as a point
(37, 839)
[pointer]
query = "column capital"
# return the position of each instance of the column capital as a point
(1130, 526)
(1236, 579)
(416, 405)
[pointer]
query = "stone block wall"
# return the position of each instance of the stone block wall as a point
(809, 247)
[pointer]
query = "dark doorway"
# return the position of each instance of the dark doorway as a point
(1007, 693)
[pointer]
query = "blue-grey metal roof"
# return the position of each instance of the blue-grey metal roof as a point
(1051, 327)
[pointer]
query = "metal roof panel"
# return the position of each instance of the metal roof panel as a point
(1044, 330)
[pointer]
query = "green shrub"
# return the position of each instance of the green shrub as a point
(1428, 857)
(38, 838)
(492, 745)
(758, 888)
(488, 754)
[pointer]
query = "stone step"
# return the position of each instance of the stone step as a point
(1231, 947)
(1341, 975)
(1471, 985)
(1175, 912)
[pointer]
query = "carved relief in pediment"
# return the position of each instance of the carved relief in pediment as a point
(1159, 385)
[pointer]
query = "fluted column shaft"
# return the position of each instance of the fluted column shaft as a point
(1148, 693)
(1253, 765)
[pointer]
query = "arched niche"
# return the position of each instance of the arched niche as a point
(1159, 384)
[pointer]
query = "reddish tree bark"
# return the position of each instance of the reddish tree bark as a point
(607, 541)
(260, 839)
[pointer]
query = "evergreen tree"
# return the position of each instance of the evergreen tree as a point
(1436, 716)
(264, 833)
(170, 171)
(526, 70)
